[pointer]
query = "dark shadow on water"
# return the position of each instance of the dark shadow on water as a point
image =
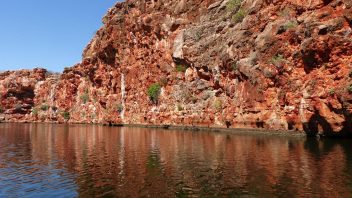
(321, 147)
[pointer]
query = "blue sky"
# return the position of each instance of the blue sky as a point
(46, 33)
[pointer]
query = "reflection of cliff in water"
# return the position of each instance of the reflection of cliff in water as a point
(147, 162)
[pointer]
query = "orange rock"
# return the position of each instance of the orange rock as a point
(275, 68)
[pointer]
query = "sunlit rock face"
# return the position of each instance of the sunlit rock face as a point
(255, 64)
(17, 93)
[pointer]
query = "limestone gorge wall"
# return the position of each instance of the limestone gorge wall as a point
(220, 63)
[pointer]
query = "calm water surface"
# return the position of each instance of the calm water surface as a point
(38, 160)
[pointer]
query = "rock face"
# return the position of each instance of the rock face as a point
(220, 63)
(18, 93)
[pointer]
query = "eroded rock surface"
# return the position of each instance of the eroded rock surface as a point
(221, 63)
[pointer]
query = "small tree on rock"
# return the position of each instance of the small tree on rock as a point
(154, 92)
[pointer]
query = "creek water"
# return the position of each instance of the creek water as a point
(48, 160)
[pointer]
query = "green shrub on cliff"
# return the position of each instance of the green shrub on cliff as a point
(66, 115)
(350, 88)
(290, 25)
(234, 66)
(278, 60)
(198, 35)
(218, 104)
(119, 108)
(233, 4)
(239, 16)
(85, 98)
(35, 111)
(154, 92)
(179, 107)
(332, 91)
(181, 68)
(44, 107)
(1, 109)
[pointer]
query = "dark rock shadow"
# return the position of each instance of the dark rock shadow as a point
(311, 128)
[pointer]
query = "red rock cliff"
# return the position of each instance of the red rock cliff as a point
(221, 63)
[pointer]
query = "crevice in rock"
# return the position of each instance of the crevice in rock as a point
(103, 104)
(22, 93)
(108, 55)
(323, 31)
(174, 27)
(184, 62)
(147, 29)
(259, 123)
(326, 2)
(98, 82)
(313, 59)
(290, 125)
(349, 21)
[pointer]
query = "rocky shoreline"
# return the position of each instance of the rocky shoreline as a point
(237, 131)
